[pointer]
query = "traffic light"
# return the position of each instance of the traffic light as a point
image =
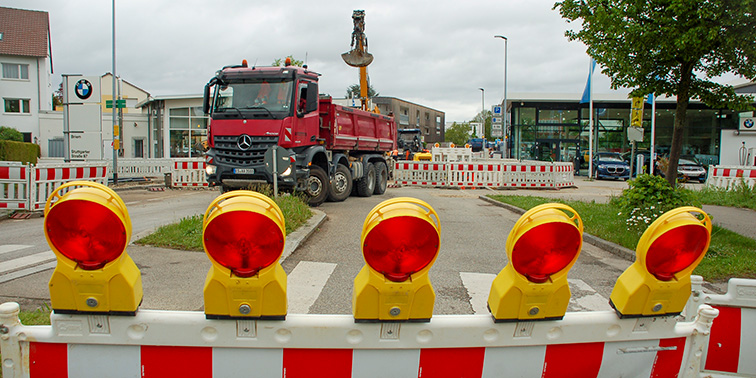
(542, 247)
(88, 229)
(658, 282)
(400, 242)
(243, 233)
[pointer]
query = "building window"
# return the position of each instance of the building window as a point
(15, 71)
(188, 131)
(15, 105)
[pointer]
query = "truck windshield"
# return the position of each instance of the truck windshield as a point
(266, 98)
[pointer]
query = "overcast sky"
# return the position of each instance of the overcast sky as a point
(435, 53)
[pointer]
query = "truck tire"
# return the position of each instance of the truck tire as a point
(381, 178)
(341, 185)
(366, 184)
(317, 186)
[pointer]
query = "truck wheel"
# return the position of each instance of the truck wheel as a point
(366, 184)
(317, 186)
(341, 186)
(381, 178)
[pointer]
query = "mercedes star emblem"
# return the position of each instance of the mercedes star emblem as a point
(244, 142)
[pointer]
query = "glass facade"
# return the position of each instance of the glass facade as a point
(188, 131)
(558, 131)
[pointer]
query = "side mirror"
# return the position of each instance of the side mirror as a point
(206, 99)
(312, 98)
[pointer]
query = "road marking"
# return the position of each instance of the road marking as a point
(478, 285)
(307, 281)
(27, 271)
(584, 297)
(7, 248)
(7, 266)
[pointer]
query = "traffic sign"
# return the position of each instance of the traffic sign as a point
(119, 104)
(496, 110)
(496, 120)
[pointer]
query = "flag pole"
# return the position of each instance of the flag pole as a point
(652, 153)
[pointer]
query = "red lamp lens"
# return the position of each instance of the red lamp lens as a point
(243, 241)
(86, 232)
(401, 246)
(544, 250)
(676, 250)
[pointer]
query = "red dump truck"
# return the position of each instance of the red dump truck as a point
(324, 150)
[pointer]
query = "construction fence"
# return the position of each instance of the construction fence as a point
(489, 174)
(27, 186)
(729, 177)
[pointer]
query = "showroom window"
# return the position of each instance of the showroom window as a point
(188, 132)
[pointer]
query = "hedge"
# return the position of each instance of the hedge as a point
(19, 151)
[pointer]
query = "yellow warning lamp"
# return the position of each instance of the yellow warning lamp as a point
(658, 282)
(542, 247)
(88, 229)
(400, 242)
(243, 233)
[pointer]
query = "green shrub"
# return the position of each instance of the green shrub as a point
(8, 133)
(19, 151)
(647, 198)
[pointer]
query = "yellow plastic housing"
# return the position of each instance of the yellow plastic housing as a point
(116, 288)
(513, 296)
(639, 293)
(377, 298)
(261, 296)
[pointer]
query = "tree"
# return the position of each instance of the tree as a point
(279, 62)
(457, 133)
(670, 47)
(354, 91)
(9, 133)
(57, 97)
(486, 118)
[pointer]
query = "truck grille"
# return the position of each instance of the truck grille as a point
(228, 152)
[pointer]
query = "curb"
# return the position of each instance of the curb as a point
(294, 239)
(606, 245)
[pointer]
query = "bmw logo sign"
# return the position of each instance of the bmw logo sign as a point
(748, 123)
(83, 89)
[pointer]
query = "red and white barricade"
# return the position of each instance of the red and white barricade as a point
(420, 173)
(188, 173)
(443, 155)
(14, 186)
(475, 175)
(728, 177)
(732, 341)
(183, 343)
(46, 177)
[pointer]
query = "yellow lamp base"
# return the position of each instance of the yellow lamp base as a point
(377, 299)
(262, 296)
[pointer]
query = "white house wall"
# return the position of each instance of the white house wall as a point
(36, 89)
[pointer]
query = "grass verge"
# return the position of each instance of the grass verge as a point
(740, 195)
(730, 254)
(187, 233)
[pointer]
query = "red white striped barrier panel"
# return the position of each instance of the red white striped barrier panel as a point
(48, 177)
(732, 344)
(14, 186)
(728, 177)
(475, 175)
(188, 173)
(185, 344)
(421, 174)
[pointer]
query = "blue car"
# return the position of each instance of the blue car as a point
(610, 165)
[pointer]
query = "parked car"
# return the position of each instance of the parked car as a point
(691, 168)
(610, 165)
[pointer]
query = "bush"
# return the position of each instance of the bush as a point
(19, 151)
(647, 198)
(8, 133)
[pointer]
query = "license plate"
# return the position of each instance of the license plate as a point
(244, 171)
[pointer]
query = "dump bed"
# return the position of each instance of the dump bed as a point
(345, 128)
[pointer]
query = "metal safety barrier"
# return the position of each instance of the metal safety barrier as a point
(728, 177)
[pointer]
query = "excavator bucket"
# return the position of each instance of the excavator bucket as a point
(357, 58)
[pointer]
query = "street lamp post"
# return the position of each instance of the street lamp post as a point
(507, 130)
(483, 110)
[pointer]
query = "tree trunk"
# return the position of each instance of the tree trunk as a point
(683, 99)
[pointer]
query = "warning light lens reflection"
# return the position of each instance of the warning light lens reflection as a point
(401, 246)
(675, 250)
(86, 232)
(544, 250)
(244, 241)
